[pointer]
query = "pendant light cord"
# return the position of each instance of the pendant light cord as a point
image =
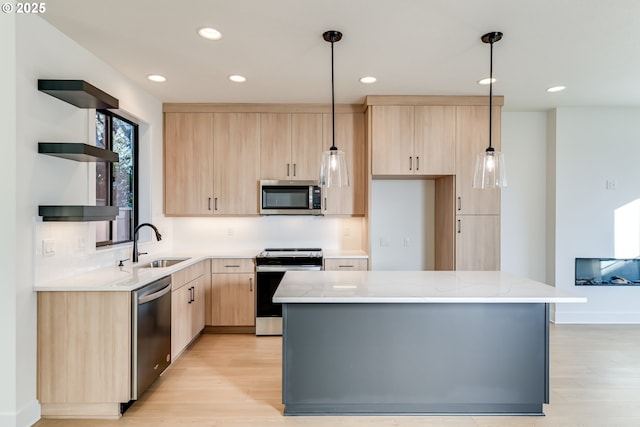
(333, 102)
(491, 92)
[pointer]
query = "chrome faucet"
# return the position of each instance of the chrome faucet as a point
(134, 257)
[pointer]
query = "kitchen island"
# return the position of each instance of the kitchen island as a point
(415, 342)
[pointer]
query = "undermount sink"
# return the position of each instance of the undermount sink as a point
(162, 262)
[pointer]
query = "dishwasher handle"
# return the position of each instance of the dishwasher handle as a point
(154, 290)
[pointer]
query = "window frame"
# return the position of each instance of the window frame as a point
(109, 116)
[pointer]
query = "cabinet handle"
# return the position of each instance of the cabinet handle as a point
(250, 284)
(325, 204)
(345, 266)
(459, 203)
(288, 169)
(232, 266)
(190, 295)
(209, 203)
(215, 203)
(294, 169)
(410, 163)
(417, 163)
(459, 226)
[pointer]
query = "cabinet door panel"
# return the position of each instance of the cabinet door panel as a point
(181, 329)
(472, 138)
(478, 242)
(275, 146)
(435, 143)
(392, 140)
(198, 306)
(188, 156)
(350, 139)
(306, 146)
(236, 163)
(232, 300)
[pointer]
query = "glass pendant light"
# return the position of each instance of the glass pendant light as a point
(490, 169)
(333, 169)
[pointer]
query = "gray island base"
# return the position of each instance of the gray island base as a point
(348, 348)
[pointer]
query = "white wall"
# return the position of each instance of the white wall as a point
(11, 399)
(523, 222)
(41, 51)
(593, 145)
(402, 224)
(51, 180)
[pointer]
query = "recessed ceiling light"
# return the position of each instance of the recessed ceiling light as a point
(367, 79)
(237, 78)
(157, 78)
(209, 33)
(486, 81)
(556, 89)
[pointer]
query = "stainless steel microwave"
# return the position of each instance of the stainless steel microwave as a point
(290, 198)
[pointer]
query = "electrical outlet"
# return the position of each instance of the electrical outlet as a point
(48, 247)
(611, 184)
(346, 232)
(406, 242)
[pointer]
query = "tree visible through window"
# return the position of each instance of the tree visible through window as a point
(116, 183)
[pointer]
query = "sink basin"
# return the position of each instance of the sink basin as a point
(162, 263)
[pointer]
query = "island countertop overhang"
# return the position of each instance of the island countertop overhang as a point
(416, 287)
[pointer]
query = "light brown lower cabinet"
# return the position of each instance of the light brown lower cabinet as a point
(232, 298)
(187, 314)
(346, 264)
(478, 242)
(84, 353)
(188, 306)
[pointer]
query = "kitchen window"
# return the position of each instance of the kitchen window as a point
(117, 183)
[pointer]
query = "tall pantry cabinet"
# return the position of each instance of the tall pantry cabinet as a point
(438, 138)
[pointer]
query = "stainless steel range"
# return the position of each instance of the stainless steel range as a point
(271, 265)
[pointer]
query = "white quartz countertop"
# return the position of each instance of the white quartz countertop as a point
(344, 253)
(131, 276)
(416, 287)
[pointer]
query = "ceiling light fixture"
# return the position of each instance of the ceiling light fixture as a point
(368, 80)
(490, 168)
(487, 81)
(333, 169)
(237, 78)
(157, 78)
(556, 89)
(209, 33)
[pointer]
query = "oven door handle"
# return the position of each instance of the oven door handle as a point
(282, 268)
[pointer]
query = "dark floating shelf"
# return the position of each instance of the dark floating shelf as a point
(78, 213)
(78, 152)
(78, 93)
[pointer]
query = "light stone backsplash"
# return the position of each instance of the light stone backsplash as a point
(74, 249)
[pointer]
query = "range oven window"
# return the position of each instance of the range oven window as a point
(268, 282)
(285, 197)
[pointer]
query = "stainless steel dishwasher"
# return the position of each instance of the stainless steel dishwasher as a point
(151, 334)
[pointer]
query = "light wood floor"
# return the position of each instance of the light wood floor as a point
(234, 380)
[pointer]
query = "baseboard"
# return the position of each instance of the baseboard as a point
(25, 417)
(596, 318)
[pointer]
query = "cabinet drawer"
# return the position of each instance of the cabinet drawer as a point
(232, 265)
(188, 274)
(346, 264)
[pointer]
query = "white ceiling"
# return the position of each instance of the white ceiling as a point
(413, 47)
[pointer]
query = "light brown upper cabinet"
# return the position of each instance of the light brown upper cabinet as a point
(291, 146)
(472, 138)
(236, 165)
(350, 139)
(212, 163)
(413, 140)
(188, 160)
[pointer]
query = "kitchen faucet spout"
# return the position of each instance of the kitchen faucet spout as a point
(134, 257)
